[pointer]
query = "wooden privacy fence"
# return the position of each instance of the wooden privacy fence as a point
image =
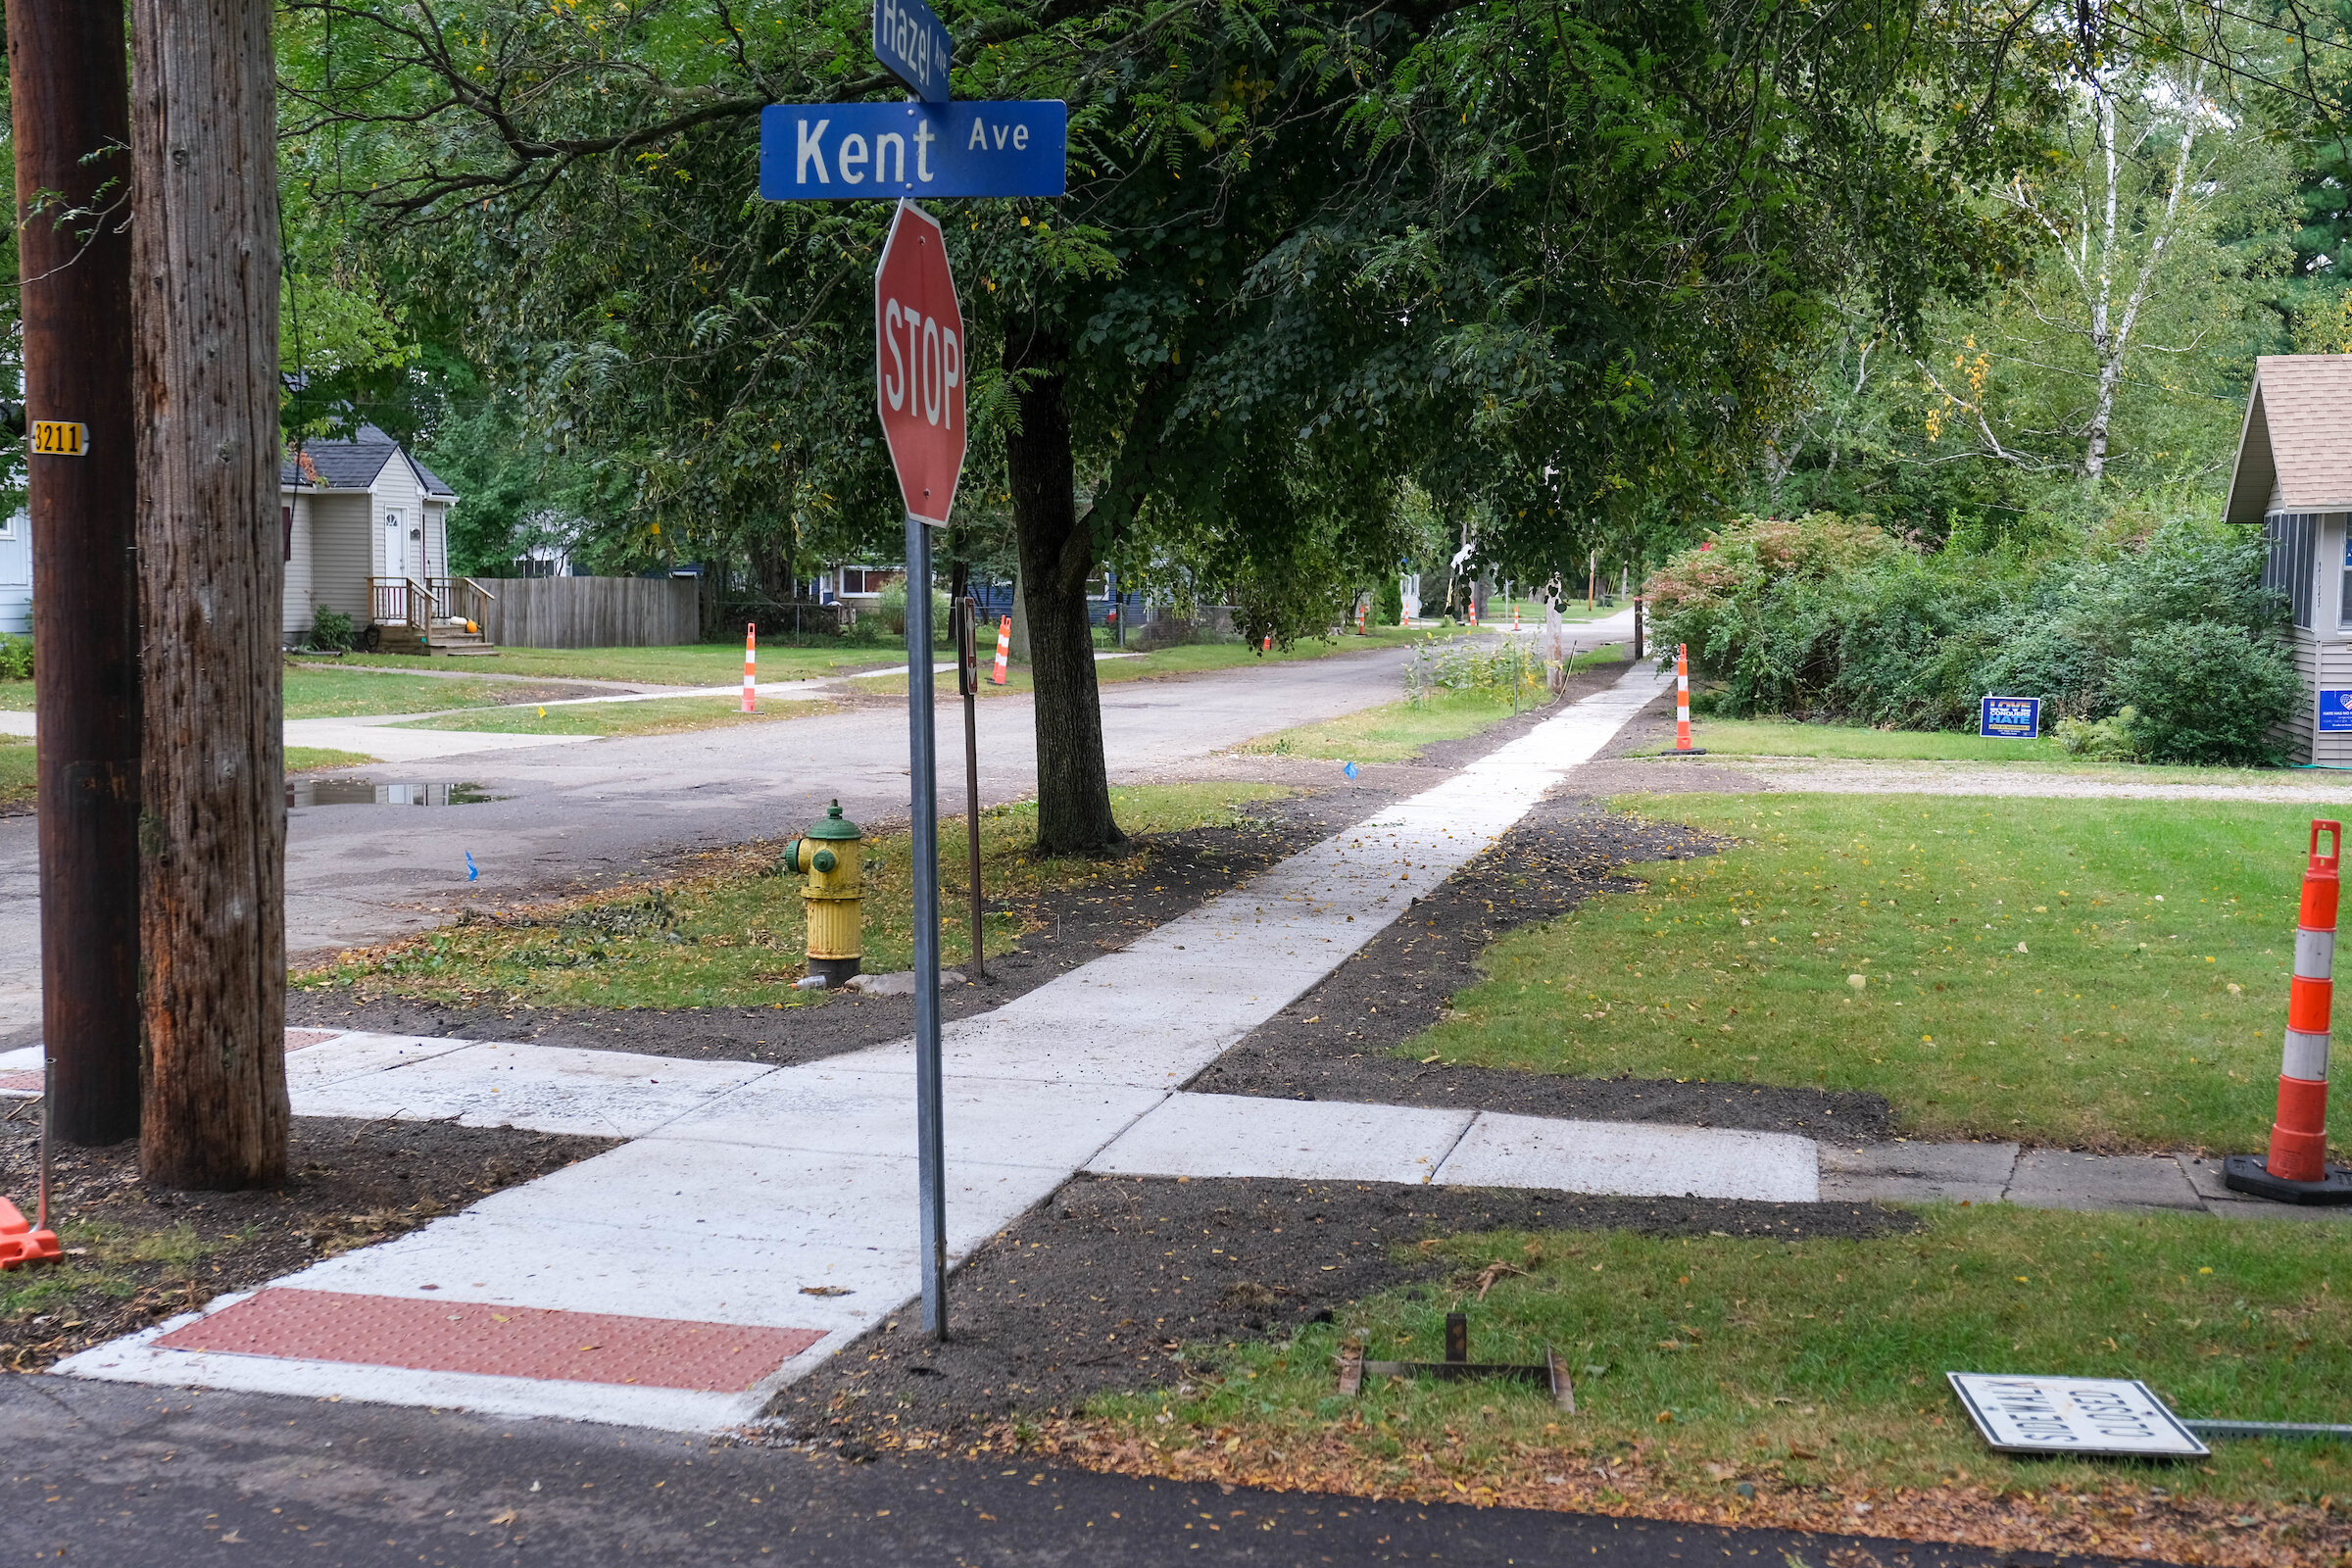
(594, 611)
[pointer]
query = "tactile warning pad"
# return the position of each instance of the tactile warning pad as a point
(509, 1342)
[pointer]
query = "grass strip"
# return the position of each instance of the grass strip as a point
(2106, 973)
(664, 715)
(306, 758)
(1393, 732)
(1758, 737)
(738, 935)
(17, 757)
(1786, 1382)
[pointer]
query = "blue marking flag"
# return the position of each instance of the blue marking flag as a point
(473, 872)
(913, 46)
(2010, 717)
(2336, 708)
(1349, 771)
(851, 152)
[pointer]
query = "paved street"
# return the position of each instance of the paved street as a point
(115, 1476)
(364, 873)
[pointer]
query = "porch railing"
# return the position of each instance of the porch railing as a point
(463, 599)
(402, 602)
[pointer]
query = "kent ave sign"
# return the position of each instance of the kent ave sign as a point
(850, 152)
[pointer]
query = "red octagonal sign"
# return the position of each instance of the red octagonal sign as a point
(918, 364)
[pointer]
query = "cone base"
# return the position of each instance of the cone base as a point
(1696, 751)
(2250, 1173)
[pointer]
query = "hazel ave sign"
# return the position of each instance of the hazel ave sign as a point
(914, 45)
(918, 364)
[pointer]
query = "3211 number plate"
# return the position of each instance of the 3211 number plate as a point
(57, 438)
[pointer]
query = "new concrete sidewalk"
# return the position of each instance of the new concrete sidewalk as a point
(761, 1217)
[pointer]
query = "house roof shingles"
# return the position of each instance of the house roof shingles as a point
(2297, 438)
(354, 465)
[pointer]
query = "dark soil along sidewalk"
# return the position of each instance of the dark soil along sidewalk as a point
(1176, 873)
(1338, 1041)
(1116, 1282)
(137, 1257)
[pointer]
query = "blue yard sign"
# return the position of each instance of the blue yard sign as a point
(2336, 708)
(848, 151)
(913, 46)
(2012, 717)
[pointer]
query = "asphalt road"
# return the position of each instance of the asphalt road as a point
(108, 1475)
(358, 874)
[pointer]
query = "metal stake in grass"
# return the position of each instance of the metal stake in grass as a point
(1457, 1367)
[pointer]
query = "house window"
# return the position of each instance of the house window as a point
(2291, 542)
(865, 579)
(8, 528)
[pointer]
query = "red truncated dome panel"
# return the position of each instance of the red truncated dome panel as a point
(423, 1335)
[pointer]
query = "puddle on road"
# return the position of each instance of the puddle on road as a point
(361, 792)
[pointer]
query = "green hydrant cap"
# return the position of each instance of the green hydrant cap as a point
(835, 826)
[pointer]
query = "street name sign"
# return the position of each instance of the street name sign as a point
(2013, 718)
(2113, 1417)
(853, 151)
(913, 46)
(918, 364)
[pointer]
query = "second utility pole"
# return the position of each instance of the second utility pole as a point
(68, 86)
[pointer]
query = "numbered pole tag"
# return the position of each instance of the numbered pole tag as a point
(57, 438)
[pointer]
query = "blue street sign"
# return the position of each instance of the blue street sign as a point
(846, 152)
(2336, 708)
(913, 46)
(2012, 717)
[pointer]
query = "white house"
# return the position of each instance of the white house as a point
(367, 532)
(2294, 477)
(16, 574)
(365, 527)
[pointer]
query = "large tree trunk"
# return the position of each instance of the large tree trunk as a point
(1073, 789)
(71, 110)
(213, 831)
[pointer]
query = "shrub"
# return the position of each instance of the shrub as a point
(332, 630)
(892, 611)
(15, 658)
(2106, 740)
(2207, 692)
(1387, 600)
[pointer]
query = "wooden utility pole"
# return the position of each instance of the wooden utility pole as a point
(205, 283)
(70, 97)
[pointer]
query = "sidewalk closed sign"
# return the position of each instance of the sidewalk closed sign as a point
(2336, 708)
(2117, 1417)
(2013, 718)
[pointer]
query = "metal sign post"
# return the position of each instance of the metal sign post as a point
(919, 394)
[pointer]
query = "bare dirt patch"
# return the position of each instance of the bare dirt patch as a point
(1126, 1283)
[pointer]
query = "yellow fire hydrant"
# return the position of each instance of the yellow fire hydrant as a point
(832, 857)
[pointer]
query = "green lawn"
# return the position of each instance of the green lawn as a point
(16, 756)
(1755, 737)
(1393, 732)
(692, 665)
(1711, 1363)
(667, 715)
(308, 759)
(737, 935)
(2094, 973)
(15, 769)
(315, 691)
(16, 695)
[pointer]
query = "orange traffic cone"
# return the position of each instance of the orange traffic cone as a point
(751, 667)
(1682, 706)
(22, 1242)
(2296, 1168)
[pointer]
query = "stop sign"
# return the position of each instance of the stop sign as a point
(918, 363)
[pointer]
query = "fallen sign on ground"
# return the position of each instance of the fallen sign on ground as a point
(2113, 1417)
(1548, 1374)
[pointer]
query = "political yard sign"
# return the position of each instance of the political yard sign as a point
(2336, 708)
(2011, 717)
(850, 152)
